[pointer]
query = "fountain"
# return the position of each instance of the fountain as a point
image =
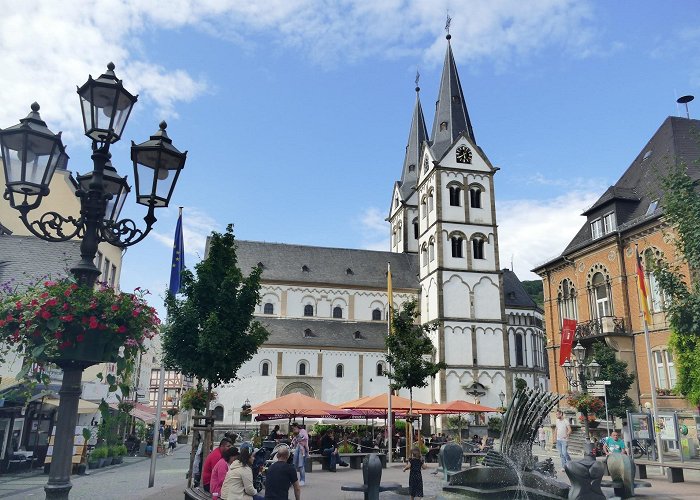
(512, 472)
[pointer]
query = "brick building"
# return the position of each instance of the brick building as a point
(593, 280)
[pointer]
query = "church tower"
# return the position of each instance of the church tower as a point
(447, 191)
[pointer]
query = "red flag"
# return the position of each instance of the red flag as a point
(568, 330)
(641, 284)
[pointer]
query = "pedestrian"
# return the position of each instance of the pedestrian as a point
(274, 435)
(238, 483)
(212, 459)
(172, 441)
(197, 462)
(280, 476)
(563, 432)
(218, 474)
(301, 450)
(415, 478)
(542, 437)
(329, 449)
(613, 444)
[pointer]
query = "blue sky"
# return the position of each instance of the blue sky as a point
(296, 113)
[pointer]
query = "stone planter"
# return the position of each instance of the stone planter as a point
(103, 462)
(94, 465)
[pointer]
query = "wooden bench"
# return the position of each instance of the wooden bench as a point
(674, 470)
(197, 494)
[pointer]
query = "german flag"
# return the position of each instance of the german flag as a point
(641, 284)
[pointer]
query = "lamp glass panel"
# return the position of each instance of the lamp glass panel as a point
(30, 161)
(579, 352)
(567, 369)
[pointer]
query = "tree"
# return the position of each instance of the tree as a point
(535, 289)
(211, 332)
(614, 370)
(681, 204)
(520, 384)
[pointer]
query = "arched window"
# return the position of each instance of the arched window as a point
(567, 301)
(665, 369)
(308, 310)
(399, 232)
(519, 357)
(376, 315)
(339, 371)
(475, 197)
(218, 413)
(431, 251)
(424, 254)
(455, 196)
(302, 368)
(265, 369)
(656, 297)
(601, 296)
(456, 247)
(415, 228)
(424, 207)
(478, 248)
(269, 308)
(430, 202)
(380, 369)
(337, 312)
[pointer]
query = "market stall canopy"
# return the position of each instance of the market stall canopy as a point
(381, 401)
(297, 405)
(142, 412)
(84, 407)
(460, 406)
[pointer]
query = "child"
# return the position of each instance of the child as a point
(415, 479)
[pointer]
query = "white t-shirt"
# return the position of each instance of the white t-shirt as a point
(562, 430)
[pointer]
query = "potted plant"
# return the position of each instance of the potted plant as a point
(494, 427)
(592, 422)
(119, 453)
(100, 454)
(93, 460)
(585, 403)
(58, 320)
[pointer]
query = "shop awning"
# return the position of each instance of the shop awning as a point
(84, 407)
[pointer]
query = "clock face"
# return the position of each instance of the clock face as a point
(464, 154)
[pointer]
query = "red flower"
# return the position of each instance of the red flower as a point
(93, 322)
(74, 286)
(121, 329)
(34, 302)
(51, 302)
(115, 307)
(44, 295)
(18, 304)
(58, 335)
(2, 323)
(66, 306)
(80, 337)
(67, 318)
(68, 292)
(45, 314)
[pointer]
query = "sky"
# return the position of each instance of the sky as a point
(295, 113)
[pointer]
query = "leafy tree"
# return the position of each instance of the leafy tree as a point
(681, 203)
(410, 351)
(535, 289)
(520, 384)
(211, 332)
(614, 370)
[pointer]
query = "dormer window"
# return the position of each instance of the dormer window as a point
(609, 224)
(596, 229)
(305, 268)
(425, 165)
(443, 126)
(357, 335)
(308, 333)
(349, 271)
(396, 202)
(411, 168)
(652, 207)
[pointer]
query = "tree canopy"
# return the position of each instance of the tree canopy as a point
(410, 350)
(211, 331)
(681, 204)
(614, 370)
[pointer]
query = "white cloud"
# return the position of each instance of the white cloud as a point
(49, 47)
(533, 231)
(196, 226)
(374, 230)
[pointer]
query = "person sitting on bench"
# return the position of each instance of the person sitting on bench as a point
(329, 449)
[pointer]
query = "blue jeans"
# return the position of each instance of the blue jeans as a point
(563, 449)
(332, 457)
(299, 463)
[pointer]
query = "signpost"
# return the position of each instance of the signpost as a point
(598, 388)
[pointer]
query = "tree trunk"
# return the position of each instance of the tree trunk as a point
(409, 425)
(209, 432)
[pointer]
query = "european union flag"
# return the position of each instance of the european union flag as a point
(178, 257)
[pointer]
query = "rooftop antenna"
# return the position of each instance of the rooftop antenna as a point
(685, 100)
(417, 80)
(447, 25)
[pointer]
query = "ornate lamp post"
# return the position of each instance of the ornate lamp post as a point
(502, 397)
(245, 413)
(31, 153)
(580, 374)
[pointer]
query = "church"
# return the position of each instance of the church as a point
(326, 308)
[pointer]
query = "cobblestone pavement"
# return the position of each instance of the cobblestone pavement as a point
(130, 480)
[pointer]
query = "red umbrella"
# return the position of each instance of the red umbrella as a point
(296, 405)
(460, 406)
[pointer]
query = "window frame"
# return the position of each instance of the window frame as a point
(265, 308)
(339, 370)
(308, 310)
(337, 312)
(475, 197)
(456, 242)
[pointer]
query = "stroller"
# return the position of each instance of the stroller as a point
(259, 468)
(268, 461)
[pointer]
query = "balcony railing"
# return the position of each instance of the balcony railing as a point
(607, 325)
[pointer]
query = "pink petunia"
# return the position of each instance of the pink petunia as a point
(68, 292)
(45, 314)
(51, 302)
(93, 322)
(115, 307)
(121, 329)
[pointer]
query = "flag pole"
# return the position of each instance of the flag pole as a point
(390, 420)
(644, 303)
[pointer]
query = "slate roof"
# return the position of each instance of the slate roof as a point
(324, 333)
(26, 259)
(338, 266)
(451, 108)
(416, 137)
(514, 292)
(677, 139)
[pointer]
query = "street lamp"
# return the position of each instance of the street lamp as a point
(245, 413)
(31, 154)
(502, 397)
(580, 374)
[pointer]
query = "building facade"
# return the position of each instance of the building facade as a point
(594, 281)
(326, 308)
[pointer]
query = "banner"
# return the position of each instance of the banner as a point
(642, 287)
(568, 330)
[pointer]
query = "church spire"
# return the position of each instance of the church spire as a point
(416, 137)
(451, 115)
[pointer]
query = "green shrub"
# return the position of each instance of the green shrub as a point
(121, 450)
(346, 448)
(99, 452)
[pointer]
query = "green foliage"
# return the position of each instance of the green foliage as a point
(195, 399)
(141, 430)
(410, 351)
(99, 452)
(173, 411)
(621, 380)
(495, 424)
(400, 425)
(535, 290)
(520, 384)
(681, 203)
(121, 450)
(346, 447)
(458, 422)
(211, 332)
(585, 403)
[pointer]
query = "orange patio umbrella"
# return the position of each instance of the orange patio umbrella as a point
(296, 405)
(461, 406)
(381, 402)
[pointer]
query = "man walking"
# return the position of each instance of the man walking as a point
(563, 430)
(280, 476)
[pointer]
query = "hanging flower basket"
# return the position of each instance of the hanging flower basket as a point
(58, 321)
(585, 403)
